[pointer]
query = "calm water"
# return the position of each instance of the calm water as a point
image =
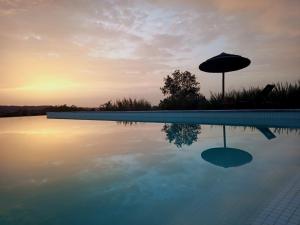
(94, 172)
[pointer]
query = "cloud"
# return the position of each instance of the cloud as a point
(132, 42)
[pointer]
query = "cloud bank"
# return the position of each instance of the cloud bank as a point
(87, 52)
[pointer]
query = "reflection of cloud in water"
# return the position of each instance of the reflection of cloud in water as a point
(153, 177)
(157, 186)
(38, 182)
(125, 159)
(57, 163)
(88, 145)
(140, 177)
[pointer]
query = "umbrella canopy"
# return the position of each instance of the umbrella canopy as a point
(224, 63)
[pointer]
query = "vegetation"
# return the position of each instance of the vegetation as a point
(126, 104)
(65, 108)
(284, 95)
(182, 91)
(8, 111)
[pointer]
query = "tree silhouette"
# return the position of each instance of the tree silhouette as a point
(182, 91)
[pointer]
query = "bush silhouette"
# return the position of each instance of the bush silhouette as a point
(126, 104)
(182, 91)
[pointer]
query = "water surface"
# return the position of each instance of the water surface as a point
(97, 172)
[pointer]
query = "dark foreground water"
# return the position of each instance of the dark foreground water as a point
(92, 172)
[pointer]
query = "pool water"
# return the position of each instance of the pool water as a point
(99, 172)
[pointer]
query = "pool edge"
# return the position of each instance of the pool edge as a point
(264, 118)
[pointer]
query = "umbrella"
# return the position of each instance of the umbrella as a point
(224, 63)
(226, 157)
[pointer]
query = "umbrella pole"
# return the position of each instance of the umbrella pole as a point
(223, 86)
(224, 136)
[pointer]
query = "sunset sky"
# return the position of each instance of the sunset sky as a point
(90, 51)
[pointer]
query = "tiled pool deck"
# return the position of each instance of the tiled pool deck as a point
(284, 209)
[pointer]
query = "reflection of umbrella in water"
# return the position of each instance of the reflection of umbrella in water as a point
(226, 157)
(224, 63)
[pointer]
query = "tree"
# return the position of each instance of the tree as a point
(182, 91)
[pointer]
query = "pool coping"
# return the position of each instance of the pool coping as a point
(263, 118)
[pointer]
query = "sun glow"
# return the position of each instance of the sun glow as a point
(47, 85)
(43, 90)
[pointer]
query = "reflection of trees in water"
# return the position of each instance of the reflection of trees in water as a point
(276, 130)
(182, 134)
(281, 130)
(127, 123)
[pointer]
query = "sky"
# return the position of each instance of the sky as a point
(86, 52)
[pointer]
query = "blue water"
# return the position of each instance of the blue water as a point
(95, 172)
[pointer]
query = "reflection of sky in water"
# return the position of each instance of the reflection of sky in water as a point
(92, 172)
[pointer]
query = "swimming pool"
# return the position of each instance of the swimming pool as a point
(100, 172)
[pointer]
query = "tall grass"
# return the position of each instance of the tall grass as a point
(286, 95)
(126, 104)
(283, 95)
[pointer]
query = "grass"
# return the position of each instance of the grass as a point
(284, 95)
(126, 104)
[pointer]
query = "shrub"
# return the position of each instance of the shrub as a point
(126, 104)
